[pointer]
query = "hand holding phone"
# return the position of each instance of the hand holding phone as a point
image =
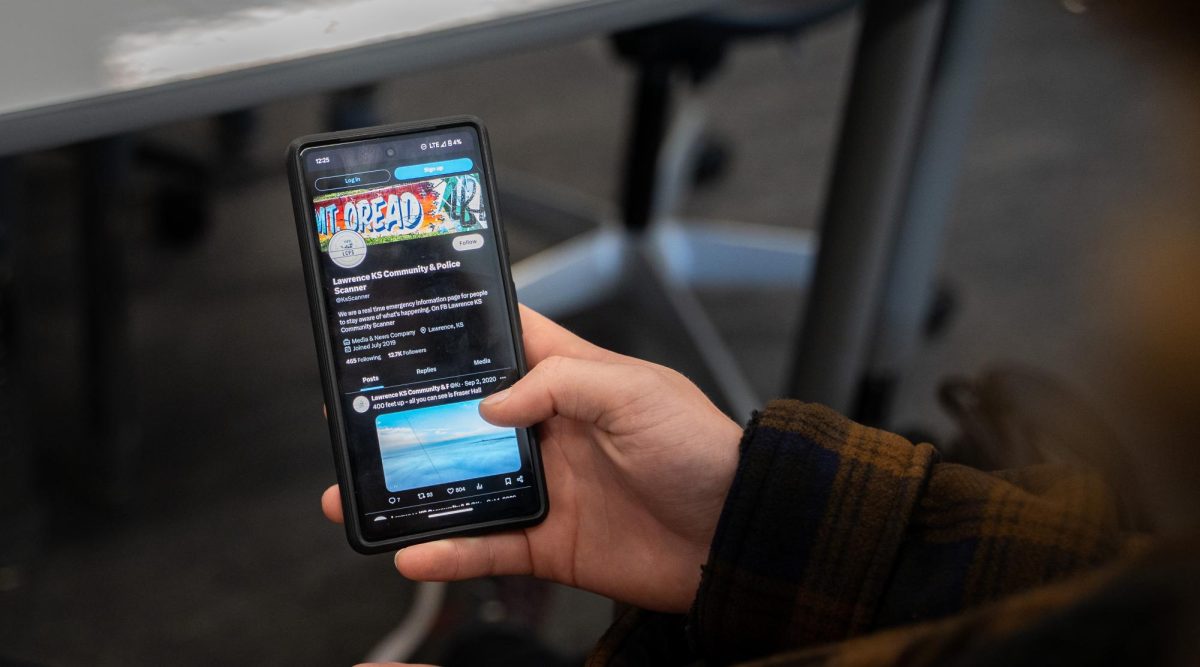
(638, 462)
(415, 319)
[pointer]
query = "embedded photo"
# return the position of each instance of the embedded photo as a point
(444, 443)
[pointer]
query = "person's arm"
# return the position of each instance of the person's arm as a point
(832, 529)
(827, 529)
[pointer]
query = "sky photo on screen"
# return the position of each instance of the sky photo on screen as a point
(442, 444)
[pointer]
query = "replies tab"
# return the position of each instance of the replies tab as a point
(441, 168)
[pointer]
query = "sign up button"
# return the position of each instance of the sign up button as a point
(468, 242)
(443, 168)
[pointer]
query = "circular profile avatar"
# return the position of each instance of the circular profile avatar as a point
(347, 249)
(361, 404)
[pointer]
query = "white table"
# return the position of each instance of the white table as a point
(71, 70)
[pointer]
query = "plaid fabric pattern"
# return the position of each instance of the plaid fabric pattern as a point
(833, 530)
(976, 537)
(1141, 610)
(945, 641)
(809, 533)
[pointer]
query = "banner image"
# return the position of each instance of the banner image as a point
(444, 205)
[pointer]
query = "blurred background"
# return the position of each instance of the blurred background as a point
(197, 539)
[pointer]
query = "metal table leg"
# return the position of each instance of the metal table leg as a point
(909, 287)
(21, 507)
(887, 96)
(112, 428)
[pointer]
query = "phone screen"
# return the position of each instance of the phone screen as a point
(415, 297)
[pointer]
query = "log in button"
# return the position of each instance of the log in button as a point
(359, 180)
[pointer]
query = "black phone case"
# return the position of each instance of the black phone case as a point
(310, 256)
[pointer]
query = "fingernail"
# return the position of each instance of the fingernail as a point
(496, 397)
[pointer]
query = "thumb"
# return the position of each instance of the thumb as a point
(579, 389)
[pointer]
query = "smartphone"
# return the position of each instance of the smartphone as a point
(416, 321)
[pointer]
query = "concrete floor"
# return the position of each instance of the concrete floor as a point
(220, 556)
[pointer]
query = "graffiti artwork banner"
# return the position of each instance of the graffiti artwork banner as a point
(417, 209)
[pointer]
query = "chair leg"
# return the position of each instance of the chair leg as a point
(651, 108)
(574, 275)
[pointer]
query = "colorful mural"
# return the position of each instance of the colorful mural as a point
(445, 205)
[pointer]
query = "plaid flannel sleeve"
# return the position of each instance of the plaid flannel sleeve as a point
(833, 529)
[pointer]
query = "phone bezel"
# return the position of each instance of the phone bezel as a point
(310, 258)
